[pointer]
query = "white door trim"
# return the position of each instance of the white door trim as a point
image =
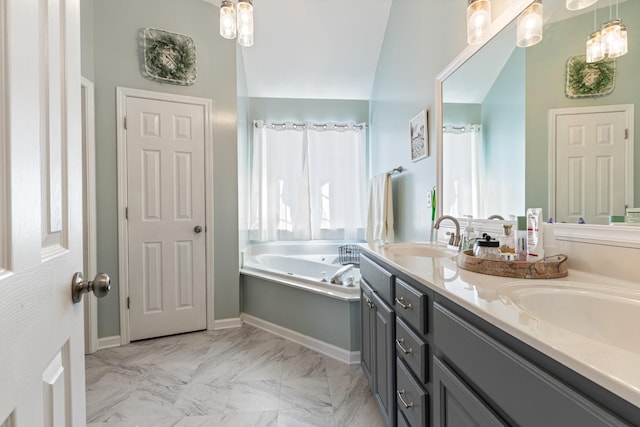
(90, 255)
(123, 276)
(628, 109)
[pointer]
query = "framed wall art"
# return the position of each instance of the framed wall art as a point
(585, 80)
(169, 57)
(419, 136)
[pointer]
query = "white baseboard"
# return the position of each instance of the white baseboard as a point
(108, 342)
(234, 322)
(350, 357)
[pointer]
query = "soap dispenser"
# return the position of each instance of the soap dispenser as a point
(469, 235)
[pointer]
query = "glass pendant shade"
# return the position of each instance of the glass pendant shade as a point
(227, 19)
(579, 4)
(245, 23)
(478, 21)
(610, 33)
(595, 50)
(529, 31)
(619, 45)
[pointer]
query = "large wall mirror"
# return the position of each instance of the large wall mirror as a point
(512, 131)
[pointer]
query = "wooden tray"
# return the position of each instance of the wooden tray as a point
(547, 268)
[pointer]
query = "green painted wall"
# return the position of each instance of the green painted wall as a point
(503, 130)
(117, 51)
(318, 110)
(546, 70)
(244, 135)
(327, 319)
(461, 114)
(422, 37)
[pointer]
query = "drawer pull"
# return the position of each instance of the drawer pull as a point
(401, 397)
(404, 350)
(400, 302)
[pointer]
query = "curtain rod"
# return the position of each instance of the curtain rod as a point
(317, 126)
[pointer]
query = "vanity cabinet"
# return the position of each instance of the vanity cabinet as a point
(377, 352)
(444, 365)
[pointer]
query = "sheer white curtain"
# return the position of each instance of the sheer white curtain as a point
(462, 171)
(308, 181)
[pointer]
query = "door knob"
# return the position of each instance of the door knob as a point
(197, 228)
(100, 286)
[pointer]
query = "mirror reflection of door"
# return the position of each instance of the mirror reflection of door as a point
(593, 163)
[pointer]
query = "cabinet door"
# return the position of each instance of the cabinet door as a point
(455, 405)
(367, 314)
(384, 359)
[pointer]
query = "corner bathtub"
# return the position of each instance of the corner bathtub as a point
(283, 291)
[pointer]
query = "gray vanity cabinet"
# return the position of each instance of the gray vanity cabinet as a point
(377, 352)
(473, 369)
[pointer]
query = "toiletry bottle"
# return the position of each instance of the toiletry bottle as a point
(507, 244)
(521, 238)
(469, 235)
(535, 235)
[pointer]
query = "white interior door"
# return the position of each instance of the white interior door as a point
(41, 330)
(592, 174)
(166, 216)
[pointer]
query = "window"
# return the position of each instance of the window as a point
(308, 182)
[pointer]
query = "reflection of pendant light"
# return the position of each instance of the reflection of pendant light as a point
(579, 4)
(610, 34)
(240, 22)
(619, 46)
(610, 41)
(478, 21)
(530, 25)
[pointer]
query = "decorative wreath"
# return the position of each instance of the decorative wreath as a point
(169, 56)
(589, 79)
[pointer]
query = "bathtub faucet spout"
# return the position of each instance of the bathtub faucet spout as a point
(336, 279)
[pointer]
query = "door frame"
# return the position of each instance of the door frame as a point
(628, 109)
(122, 94)
(90, 257)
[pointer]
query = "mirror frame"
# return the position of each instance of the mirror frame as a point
(622, 236)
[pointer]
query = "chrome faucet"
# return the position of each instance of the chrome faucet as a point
(496, 217)
(336, 279)
(454, 240)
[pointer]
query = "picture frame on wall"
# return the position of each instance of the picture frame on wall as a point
(419, 136)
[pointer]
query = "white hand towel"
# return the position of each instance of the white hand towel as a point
(380, 220)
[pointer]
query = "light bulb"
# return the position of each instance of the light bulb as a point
(529, 25)
(227, 19)
(579, 4)
(478, 21)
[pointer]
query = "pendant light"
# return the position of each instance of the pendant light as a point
(478, 21)
(614, 35)
(529, 26)
(228, 19)
(595, 48)
(238, 23)
(579, 4)
(619, 46)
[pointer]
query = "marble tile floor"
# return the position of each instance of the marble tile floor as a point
(234, 377)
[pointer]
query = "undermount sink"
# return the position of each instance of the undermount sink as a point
(418, 249)
(602, 313)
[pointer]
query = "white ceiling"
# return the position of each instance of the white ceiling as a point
(315, 49)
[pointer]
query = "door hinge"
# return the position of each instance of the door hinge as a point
(128, 303)
(125, 122)
(126, 212)
(626, 133)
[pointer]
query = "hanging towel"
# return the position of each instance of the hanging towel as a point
(380, 220)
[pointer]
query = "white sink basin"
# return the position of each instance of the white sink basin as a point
(598, 312)
(418, 250)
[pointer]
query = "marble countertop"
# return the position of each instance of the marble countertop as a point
(615, 369)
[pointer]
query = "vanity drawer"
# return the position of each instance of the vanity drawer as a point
(412, 350)
(411, 305)
(377, 277)
(412, 399)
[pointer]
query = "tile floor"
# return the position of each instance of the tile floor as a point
(235, 377)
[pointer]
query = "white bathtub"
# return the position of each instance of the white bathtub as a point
(298, 266)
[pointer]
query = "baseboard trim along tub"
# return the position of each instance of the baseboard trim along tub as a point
(350, 357)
